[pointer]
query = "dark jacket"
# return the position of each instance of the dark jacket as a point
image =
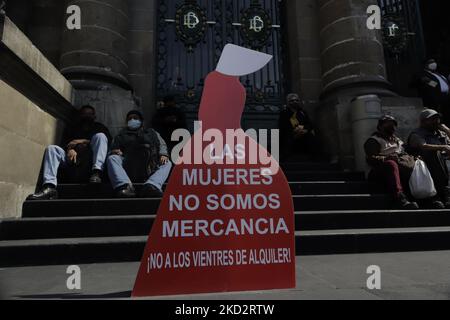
(78, 131)
(142, 151)
(127, 140)
(286, 127)
(422, 136)
(166, 129)
(429, 89)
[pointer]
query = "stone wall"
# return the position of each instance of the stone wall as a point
(35, 101)
(25, 131)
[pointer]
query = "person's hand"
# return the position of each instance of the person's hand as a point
(300, 132)
(392, 157)
(76, 142)
(446, 148)
(72, 156)
(170, 119)
(164, 160)
(117, 152)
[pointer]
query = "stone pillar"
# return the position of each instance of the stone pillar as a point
(100, 48)
(143, 17)
(44, 28)
(350, 52)
(353, 65)
(305, 70)
(95, 59)
(365, 113)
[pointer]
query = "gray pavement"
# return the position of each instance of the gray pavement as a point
(414, 275)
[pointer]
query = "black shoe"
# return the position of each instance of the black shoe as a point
(438, 205)
(48, 192)
(403, 203)
(446, 197)
(150, 191)
(126, 192)
(95, 177)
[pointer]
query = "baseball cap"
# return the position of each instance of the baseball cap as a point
(385, 118)
(429, 113)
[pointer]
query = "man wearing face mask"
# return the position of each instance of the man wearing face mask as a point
(87, 140)
(431, 141)
(391, 165)
(435, 89)
(296, 130)
(138, 155)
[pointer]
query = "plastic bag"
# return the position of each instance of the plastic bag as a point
(421, 183)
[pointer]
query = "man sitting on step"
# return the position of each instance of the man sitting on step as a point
(391, 165)
(138, 155)
(297, 134)
(432, 143)
(85, 142)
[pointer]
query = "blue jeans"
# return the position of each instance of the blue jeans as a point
(56, 156)
(119, 177)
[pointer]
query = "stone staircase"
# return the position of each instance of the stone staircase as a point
(335, 214)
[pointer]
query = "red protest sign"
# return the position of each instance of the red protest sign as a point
(226, 221)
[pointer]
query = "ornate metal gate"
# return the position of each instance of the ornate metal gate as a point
(191, 36)
(404, 61)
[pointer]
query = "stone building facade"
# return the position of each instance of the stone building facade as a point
(322, 48)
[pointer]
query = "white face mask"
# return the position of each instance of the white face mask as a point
(433, 66)
(134, 124)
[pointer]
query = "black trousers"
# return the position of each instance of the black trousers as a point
(436, 163)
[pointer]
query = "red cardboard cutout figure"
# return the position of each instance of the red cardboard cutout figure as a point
(226, 221)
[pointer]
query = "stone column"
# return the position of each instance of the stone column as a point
(350, 52)
(304, 72)
(100, 48)
(352, 58)
(44, 28)
(143, 17)
(95, 59)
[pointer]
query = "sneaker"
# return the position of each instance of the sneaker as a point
(150, 191)
(95, 177)
(48, 192)
(403, 203)
(126, 192)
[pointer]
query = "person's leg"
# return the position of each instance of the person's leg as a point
(53, 158)
(389, 173)
(120, 181)
(160, 176)
(311, 145)
(438, 170)
(99, 146)
(117, 174)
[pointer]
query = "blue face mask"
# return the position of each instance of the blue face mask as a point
(134, 124)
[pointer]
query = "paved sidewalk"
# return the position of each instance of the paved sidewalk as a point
(415, 275)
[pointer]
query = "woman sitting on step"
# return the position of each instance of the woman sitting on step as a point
(391, 165)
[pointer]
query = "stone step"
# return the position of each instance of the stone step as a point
(309, 166)
(109, 207)
(124, 249)
(325, 176)
(139, 225)
(105, 191)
